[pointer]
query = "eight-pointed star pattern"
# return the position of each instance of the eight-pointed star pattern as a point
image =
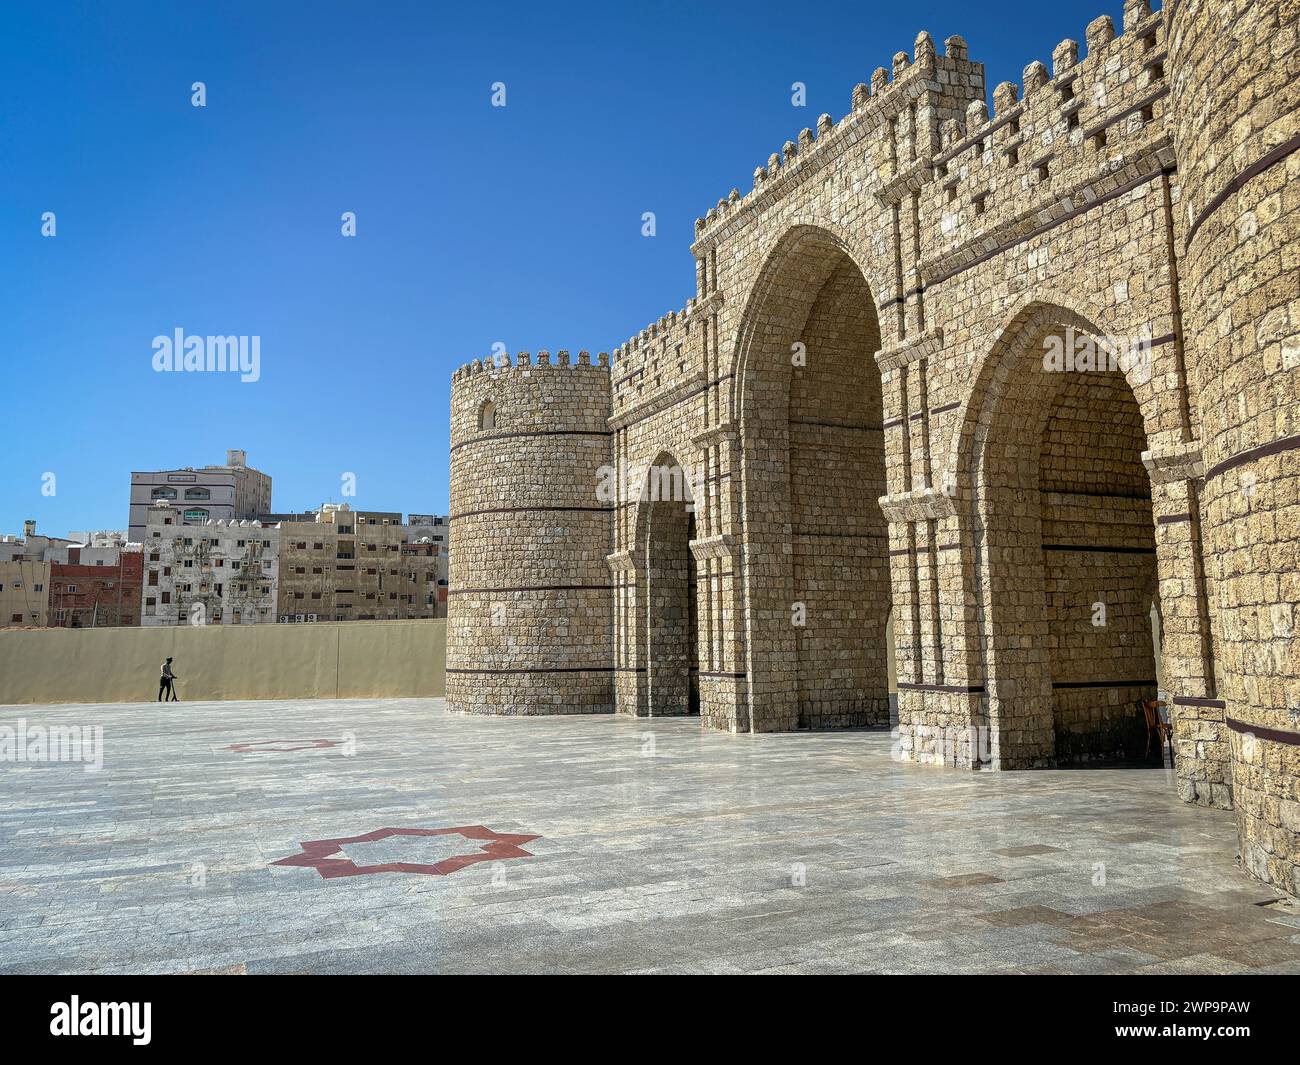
(327, 858)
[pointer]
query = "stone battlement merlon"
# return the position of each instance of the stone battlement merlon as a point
(495, 363)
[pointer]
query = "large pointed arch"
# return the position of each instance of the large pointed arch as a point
(807, 404)
(1056, 505)
(665, 627)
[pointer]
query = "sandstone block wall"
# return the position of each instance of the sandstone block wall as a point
(880, 434)
(529, 619)
(1236, 87)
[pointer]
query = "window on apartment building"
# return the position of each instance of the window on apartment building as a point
(316, 569)
(17, 619)
(345, 530)
(163, 493)
(167, 597)
(153, 578)
(315, 595)
(195, 493)
(318, 547)
(72, 589)
(38, 587)
(297, 595)
(167, 571)
(221, 562)
(240, 543)
(189, 563)
(154, 556)
(299, 569)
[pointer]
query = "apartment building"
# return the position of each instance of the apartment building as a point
(24, 592)
(30, 545)
(96, 587)
(215, 573)
(346, 565)
(233, 492)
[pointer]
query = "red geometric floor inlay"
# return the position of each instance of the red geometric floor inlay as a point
(321, 854)
(270, 746)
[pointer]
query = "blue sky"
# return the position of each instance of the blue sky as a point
(475, 224)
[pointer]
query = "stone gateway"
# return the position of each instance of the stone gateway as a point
(1005, 403)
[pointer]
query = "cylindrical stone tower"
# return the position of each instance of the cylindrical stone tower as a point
(1234, 70)
(530, 606)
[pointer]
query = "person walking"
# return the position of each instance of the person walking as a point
(167, 683)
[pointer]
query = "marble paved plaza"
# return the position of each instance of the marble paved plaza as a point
(594, 844)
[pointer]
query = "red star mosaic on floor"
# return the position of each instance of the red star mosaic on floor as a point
(325, 855)
(279, 746)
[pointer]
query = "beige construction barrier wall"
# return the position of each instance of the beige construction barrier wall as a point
(346, 659)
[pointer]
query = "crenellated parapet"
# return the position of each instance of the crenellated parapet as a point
(907, 99)
(1051, 146)
(494, 363)
(661, 357)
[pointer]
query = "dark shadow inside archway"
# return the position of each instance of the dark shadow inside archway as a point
(1071, 564)
(672, 635)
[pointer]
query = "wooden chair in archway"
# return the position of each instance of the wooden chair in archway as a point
(1156, 726)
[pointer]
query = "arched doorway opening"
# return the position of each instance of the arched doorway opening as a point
(816, 542)
(669, 579)
(1068, 554)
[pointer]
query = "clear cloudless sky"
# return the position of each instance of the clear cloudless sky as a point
(475, 224)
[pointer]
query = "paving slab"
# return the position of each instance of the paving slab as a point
(393, 836)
